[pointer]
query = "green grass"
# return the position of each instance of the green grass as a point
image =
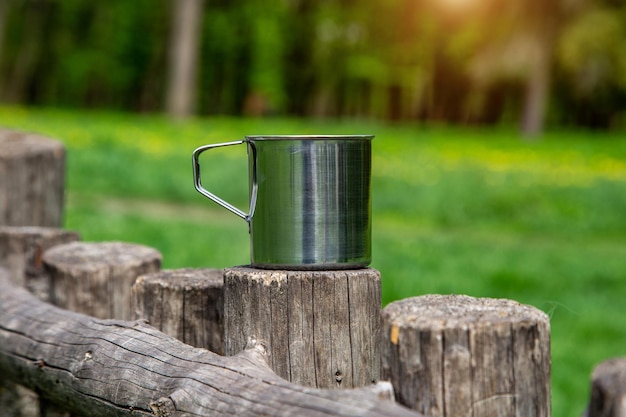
(456, 210)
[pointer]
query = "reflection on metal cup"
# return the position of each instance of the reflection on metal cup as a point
(310, 200)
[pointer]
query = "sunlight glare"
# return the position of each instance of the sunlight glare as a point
(457, 4)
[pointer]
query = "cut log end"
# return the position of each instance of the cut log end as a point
(96, 278)
(17, 144)
(459, 311)
(449, 354)
(88, 256)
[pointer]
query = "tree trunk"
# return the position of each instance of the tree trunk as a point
(23, 78)
(537, 91)
(4, 11)
(545, 21)
(113, 368)
(183, 55)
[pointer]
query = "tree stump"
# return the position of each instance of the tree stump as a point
(458, 355)
(32, 175)
(608, 389)
(187, 304)
(96, 278)
(21, 252)
(321, 328)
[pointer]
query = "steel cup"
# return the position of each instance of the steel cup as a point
(310, 200)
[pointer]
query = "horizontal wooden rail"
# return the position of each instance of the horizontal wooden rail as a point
(111, 367)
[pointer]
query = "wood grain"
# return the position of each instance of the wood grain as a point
(96, 278)
(108, 368)
(464, 356)
(322, 328)
(21, 252)
(187, 304)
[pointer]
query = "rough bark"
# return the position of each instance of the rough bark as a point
(187, 304)
(96, 278)
(32, 175)
(608, 389)
(458, 355)
(322, 328)
(114, 368)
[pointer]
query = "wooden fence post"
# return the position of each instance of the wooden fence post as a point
(608, 389)
(21, 252)
(321, 328)
(112, 368)
(96, 278)
(456, 355)
(187, 304)
(32, 175)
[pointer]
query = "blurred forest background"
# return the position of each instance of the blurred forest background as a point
(532, 62)
(467, 209)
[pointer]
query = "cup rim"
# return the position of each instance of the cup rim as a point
(308, 137)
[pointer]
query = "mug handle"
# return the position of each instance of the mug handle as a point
(198, 184)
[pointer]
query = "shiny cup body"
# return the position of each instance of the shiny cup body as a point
(310, 201)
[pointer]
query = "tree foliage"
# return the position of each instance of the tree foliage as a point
(465, 61)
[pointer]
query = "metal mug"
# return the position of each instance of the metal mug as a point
(310, 200)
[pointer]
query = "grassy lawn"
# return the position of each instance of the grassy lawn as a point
(456, 210)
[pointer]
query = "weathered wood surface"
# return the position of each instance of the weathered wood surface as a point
(113, 368)
(32, 178)
(322, 328)
(187, 304)
(459, 356)
(608, 389)
(21, 252)
(96, 278)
